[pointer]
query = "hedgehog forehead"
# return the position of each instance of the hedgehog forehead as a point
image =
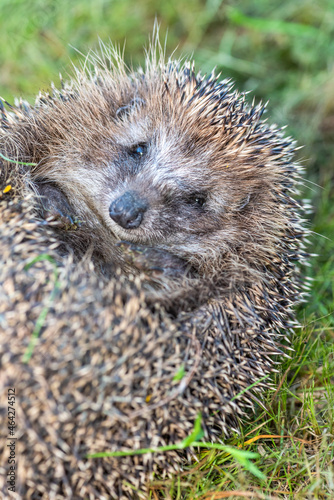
(166, 124)
(144, 107)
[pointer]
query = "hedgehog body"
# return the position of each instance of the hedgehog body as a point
(177, 198)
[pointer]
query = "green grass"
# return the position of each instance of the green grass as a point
(283, 51)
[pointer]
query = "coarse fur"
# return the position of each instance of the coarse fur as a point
(207, 278)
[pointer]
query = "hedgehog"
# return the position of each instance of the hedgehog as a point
(150, 227)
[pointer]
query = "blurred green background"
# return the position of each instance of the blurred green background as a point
(281, 50)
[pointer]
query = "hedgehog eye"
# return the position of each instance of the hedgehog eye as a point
(197, 199)
(139, 150)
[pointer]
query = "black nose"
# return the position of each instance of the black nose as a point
(128, 210)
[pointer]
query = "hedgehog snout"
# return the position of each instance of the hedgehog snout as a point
(128, 210)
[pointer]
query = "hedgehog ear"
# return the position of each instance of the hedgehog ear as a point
(244, 202)
(52, 201)
(126, 110)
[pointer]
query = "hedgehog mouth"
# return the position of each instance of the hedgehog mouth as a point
(133, 233)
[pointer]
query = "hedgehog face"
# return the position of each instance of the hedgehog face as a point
(159, 196)
(160, 185)
(145, 178)
(158, 204)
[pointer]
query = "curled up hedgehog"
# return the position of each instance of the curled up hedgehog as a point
(149, 236)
